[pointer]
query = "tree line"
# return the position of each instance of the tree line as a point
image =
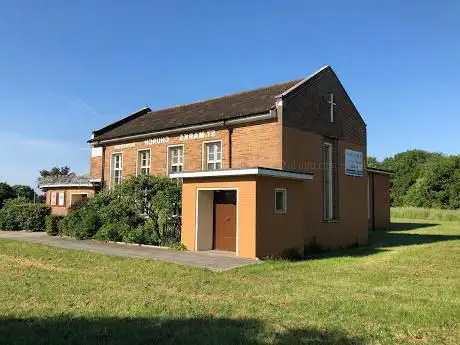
(26, 192)
(17, 191)
(423, 179)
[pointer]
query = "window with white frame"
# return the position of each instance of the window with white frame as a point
(117, 169)
(176, 158)
(53, 198)
(280, 200)
(143, 162)
(213, 155)
(61, 199)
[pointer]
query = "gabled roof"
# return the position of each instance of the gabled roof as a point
(228, 107)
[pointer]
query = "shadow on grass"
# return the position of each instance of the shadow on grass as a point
(380, 241)
(409, 226)
(158, 331)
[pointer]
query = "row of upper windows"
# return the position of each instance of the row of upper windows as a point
(212, 156)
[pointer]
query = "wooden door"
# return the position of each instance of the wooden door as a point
(225, 220)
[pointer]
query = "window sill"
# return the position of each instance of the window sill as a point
(331, 221)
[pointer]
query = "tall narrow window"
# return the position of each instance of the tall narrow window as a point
(143, 162)
(117, 169)
(328, 190)
(61, 199)
(213, 155)
(280, 200)
(53, 198)
(176, 159)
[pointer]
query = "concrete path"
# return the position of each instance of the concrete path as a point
(211, 260)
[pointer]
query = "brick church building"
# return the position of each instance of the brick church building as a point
(267, 170)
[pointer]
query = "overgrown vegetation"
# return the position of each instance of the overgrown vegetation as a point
(423, 179)
(425, 213)
(402, 289)
(52, 224)
(143, 209)
(21, 214)
(17, 191)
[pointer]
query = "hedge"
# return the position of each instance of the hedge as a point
(52, 224)
(21, 214)
(143, 209)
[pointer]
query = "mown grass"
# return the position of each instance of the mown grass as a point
(425, 213)
(402, 289)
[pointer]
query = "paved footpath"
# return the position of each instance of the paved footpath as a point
(211, 260)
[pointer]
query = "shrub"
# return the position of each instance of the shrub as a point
(143, 209)
(20, 214)
(134, 236)
(52, 224)
(112, 232)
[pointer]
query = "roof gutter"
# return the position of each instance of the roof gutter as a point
(218, 124)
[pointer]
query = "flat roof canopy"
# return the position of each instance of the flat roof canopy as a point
(244, 172)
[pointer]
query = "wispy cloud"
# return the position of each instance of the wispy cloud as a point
(80, 102)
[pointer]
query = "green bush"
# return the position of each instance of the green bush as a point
(143, 209)
(52, 224)
(134, 236)
(20, 214)
(113, 232)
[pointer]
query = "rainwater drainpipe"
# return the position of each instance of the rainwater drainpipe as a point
(103, 169)
(230, 132)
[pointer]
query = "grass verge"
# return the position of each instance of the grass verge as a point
(402, 289)
(425, 213)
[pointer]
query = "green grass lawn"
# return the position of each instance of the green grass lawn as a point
(403, 289)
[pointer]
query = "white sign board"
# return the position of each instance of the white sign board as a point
(96, 151)
(354, 163)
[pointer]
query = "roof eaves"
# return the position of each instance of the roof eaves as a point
(125, 119)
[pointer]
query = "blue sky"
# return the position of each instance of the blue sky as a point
(67, 68)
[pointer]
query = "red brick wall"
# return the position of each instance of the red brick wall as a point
(306, 126)
(379, 201)
(307, 109)
(252, 145)
(62, 210)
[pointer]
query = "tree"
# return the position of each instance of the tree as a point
(407, 167)
(56, 172)
(6, 192)
(372, 162)
(24, 191)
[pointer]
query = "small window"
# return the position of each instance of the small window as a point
(53, 198)
(61, 199)
(75, 198)
(117, 169)
(176, 159)
(280, 200)
(213, 155)
(143, 162)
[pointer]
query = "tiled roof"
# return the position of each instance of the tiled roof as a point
(233, 106)
(216, 109)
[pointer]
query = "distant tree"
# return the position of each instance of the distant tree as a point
(6, 192)
(41, 198)
(24, 191)
(407, 167)
(56, 171)
(438, 185)
(372, 162)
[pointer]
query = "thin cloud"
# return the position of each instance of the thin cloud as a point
(86, 105)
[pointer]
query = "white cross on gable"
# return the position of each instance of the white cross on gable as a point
(331, 102)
